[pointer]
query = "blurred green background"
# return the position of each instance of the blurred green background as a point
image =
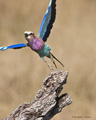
(73, 41)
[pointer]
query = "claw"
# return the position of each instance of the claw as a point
(50, 67)
(51, 57)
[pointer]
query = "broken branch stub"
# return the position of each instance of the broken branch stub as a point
(47, 102)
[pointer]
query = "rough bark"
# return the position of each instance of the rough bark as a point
(47, 102)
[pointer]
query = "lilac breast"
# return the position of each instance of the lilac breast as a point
(36, 44)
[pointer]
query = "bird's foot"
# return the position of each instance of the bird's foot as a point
(51, 67)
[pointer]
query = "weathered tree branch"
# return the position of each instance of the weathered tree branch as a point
(47, 102)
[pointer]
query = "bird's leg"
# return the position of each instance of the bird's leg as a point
(50, 67)
(52, 59)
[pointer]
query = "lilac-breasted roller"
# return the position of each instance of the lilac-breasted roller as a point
(38, 44)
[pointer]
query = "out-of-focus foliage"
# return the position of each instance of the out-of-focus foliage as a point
(73, 41)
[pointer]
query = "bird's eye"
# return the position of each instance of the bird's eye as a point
(26, 35)
(31, 33)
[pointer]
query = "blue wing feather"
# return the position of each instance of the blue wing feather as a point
(48, 21)
(16, 46)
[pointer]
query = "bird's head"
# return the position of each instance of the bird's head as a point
(29, 35)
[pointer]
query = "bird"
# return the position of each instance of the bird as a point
(37, 43)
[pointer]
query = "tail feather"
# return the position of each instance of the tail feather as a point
(56, 59)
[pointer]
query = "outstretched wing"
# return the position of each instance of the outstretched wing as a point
(16, 46)
(48, 21)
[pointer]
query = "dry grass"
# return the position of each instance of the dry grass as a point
(73, 41)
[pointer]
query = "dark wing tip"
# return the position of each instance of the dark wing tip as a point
(50, 25)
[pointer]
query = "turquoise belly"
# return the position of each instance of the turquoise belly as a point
(44, 51)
